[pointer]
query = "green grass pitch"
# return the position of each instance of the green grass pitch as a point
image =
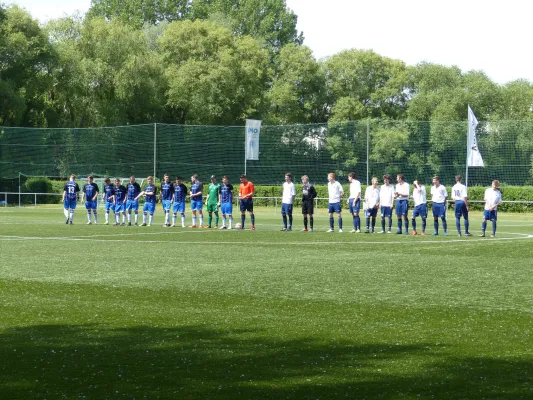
(103, 312)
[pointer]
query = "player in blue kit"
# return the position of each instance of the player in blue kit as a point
(131, 203)
(90, 195)
(180, 192)
(167, 191)
(107, 198)
(197, 188)
(70, 196)
(149, 200)
(119, 200)
(226, 202)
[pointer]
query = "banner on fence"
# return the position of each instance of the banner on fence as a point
(253, 128)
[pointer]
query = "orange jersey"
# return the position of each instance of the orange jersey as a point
(246, 189)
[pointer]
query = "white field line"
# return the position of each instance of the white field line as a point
(263, 243)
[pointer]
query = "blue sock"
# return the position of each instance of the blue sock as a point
(383, 224)
(458, 225)
(444, 224)
(413, 221)
(483, 226)
(467, 225)
(252, 217)
(340, 223)
(358, 222)
(290, 220)
(284, 220)
(399, 225)
(367, 222)
(423, 224)
(436, 225)
(494, 227)
(331, 222)
(354, 222)
(406, 224)
(243, 218)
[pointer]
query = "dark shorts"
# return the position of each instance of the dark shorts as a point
(247, 205)
(490, 215)
(420, 210)
(402, 208)
(308, 207)
(460, 209)
(354, 209)
(334, 208)
(439, 210)
(386, 212)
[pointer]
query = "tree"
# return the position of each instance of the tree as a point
(364, 84)
(213, 76)
(297, 94)
(26, 59)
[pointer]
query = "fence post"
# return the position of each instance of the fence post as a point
(19, 191)
(367, 150)
(155, 149)
(35, 199)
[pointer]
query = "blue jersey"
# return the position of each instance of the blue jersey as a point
(180, 191)
(120, 194)
(166, 190)
(226, 195)
(72, 189)
(197, 187)
(109, 190)
(133, 190)
(90, 191)
(150, 198)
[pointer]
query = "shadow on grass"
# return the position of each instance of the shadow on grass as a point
(99, 362)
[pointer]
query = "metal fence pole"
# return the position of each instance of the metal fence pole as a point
(155, 149)
(367, 150)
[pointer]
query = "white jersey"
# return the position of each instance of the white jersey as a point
(371, 196)
(355, 189)
(419, 195)
(459, 192)
(438, 194)
(386, 195)
(289, 191)
(335, 192)
(492, 198)
(403, 191)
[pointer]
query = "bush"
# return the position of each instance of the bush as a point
(39, 185)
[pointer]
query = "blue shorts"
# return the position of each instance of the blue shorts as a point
(149, 208)
(226, 208)
(109, 205)
(166, 204)
(69, 204)
(386, 212)
(196, 205)
(354, 209)
(334, 208)
(490, 215)
(286, 209)
(420, 210)
(179, 207)
(402, 208)
(90, 205)
(460, 209)
(371, 212)
(132, 205)
(439, 210)
(119, 207)
(247, 205)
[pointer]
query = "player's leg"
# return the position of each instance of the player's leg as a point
(405, 213)
(382, 219)
(210, 215)
(457, 212)
(243, 212)
(182, 212)
(339, 217)
(467, 222)
(494, 219)
(217, 217)
(136, 212)
(200, 212)
(444, 224)
(356, 216)
(284, 216)
(413, 220)
(435, 219)
(193, 219)
(331, 220)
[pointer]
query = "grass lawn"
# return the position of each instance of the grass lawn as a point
(103, 312)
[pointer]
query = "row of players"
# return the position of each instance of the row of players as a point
(123, 200)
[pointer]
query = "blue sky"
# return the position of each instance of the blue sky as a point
(490, 35)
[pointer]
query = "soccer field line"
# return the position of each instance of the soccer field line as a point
(264, 243)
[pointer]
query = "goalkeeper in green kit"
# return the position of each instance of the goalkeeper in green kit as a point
(212, 201)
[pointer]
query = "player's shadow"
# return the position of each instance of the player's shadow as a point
(99, 362)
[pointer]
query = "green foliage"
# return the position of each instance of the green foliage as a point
(213, 76)
(40, 185)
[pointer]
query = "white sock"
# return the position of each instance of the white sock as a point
(88, 216)
(95, 216)
(144, 218)
(201, 220)
(183, 220)
(174, 217)
(231, 222)
(107, 216)
(136, 217)
(194, 220)
(151, 218)
(223, 221)
(71, 215)
(117, 218)
(65, 211)
(129, 217)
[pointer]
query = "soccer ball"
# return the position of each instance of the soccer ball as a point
(238, 226)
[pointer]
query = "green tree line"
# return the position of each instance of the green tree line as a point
(218, 62)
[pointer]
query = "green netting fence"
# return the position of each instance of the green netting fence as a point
(369, 148)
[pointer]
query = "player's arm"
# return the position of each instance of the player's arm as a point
(142, 193)
(96, 194)
(312, 192)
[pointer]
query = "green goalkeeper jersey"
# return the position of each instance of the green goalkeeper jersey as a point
(213, 192)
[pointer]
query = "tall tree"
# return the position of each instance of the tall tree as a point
(213, 76)
(297, 94)
(26, 59)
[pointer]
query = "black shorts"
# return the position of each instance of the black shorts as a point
(308, 207)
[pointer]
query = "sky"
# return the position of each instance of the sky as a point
(488, 35)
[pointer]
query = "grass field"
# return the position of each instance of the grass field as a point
(102, 312)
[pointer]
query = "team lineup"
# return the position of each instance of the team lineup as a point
(123, 201)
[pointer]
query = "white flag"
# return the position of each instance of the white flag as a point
(253, 128)
(473, 155)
